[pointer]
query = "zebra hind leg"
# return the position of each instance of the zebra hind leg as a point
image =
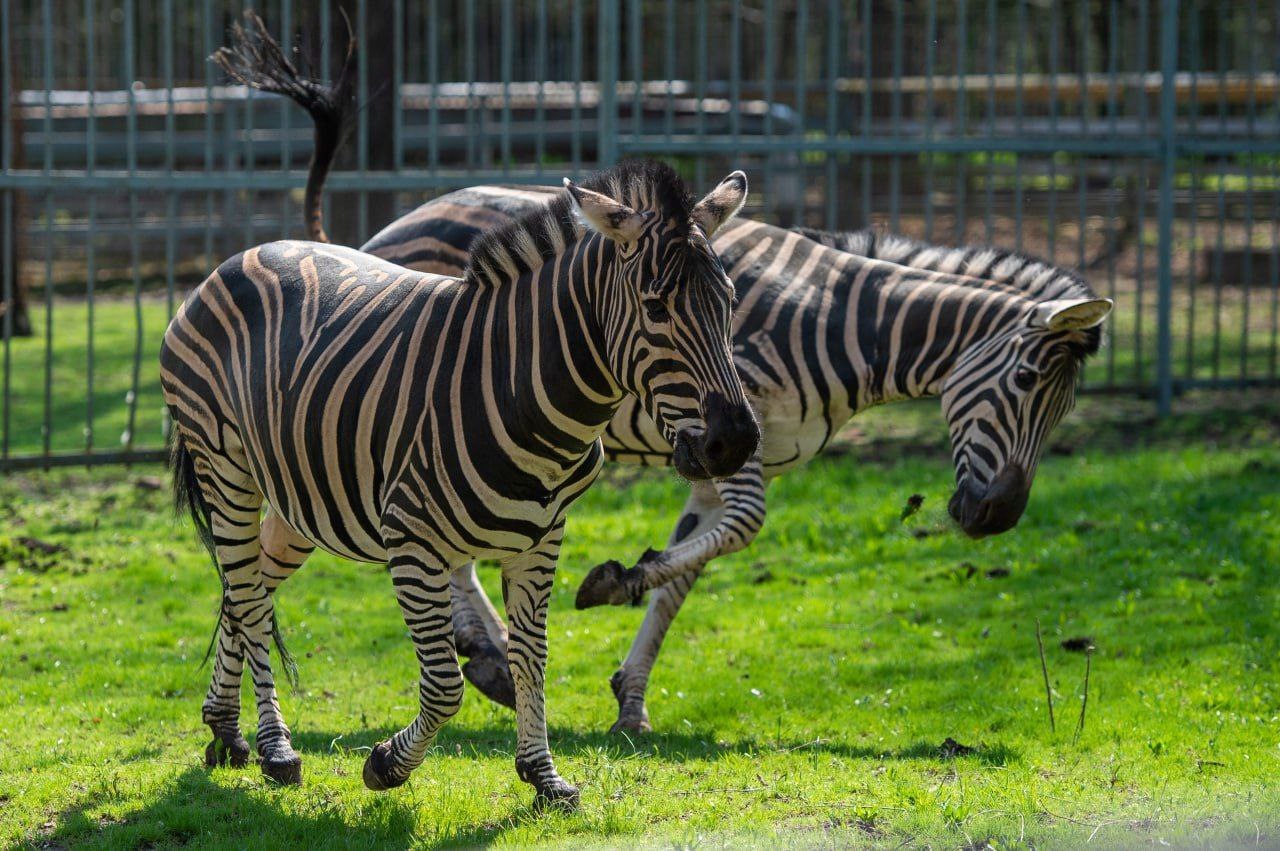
(231, 504)
(421, 581)
(481, 636)
(282, 552)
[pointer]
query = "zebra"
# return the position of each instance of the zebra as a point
(828, 324)
(424, 421)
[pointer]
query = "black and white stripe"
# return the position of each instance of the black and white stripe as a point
(423, 421)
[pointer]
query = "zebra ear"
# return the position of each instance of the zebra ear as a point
(1071, 314)
(611, 219)
(721, 203)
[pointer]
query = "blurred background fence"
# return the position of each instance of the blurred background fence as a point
(1136, 141)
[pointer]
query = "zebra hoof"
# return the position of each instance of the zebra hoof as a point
(283, 765)
(632, 723)
(491, 676)
(227, 748)
(377, 770)
(556, 794)
(607, 585)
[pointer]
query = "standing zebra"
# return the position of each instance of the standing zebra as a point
(424, 421)
(822, 332)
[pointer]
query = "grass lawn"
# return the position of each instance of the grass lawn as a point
(802, 698)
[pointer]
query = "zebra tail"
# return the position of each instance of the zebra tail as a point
(188, 498)
(255, 59)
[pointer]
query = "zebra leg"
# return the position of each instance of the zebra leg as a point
(248, 618)
(421, 581)
(480, 635)
(528, 581)
(742, 495)
(282, 551)
(631, 680)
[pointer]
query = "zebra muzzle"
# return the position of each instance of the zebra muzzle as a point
(989, 510)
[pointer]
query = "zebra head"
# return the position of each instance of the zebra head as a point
(1002, 400)
(668, 331)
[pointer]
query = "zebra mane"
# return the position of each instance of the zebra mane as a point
(991, 269)
(509, 250)
(997, 268)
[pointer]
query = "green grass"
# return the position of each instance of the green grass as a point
(801, 699)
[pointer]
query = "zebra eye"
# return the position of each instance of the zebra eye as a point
(657, 310)
(1024, 378)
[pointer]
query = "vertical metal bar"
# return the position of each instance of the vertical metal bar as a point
(735, 71)
(507, 46)
(1275, 209)
(700, 89)
(469, 68)
(867, 174)
(1168, 107)
(397, 89)
(962, 117)
(669, 64)
(607, 66)
(576, 131)
(1082, 85)
(1193, 213)
(834, 30)
(9, 284)
(1019, 109)
(988, 228)
(91, 132)
(170, 196)
(433, 78)
(1251, 112)
(362, 125)
(770, 71)
(286, 118)
(1051, 222)
(930, 51)
(895, 162)
(131, 128)
(636, 9)
(46, 435)
(1144, 108)
(1222, 207)
(540, 63)
(206, 19)
(249, 163)
(1113, 71)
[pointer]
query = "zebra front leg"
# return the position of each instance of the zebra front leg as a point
(282, 551)
(742, 496)
(421, 581)
(528, 580)
(481, 636)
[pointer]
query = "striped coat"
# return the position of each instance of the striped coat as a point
(423, 421)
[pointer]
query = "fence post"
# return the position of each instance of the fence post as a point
(1168, 152)
(607, 67)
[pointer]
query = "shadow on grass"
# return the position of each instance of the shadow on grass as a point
(687, 745)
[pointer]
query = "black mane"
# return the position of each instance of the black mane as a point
(640, 184)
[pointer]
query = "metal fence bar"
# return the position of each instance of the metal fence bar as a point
(1168, 155)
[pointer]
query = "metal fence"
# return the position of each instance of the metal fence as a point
(1136, 140)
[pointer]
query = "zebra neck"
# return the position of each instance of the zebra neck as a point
(923, 324)
(545, 355)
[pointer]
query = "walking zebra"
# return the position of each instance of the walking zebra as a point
(424, 421)
(827, 326)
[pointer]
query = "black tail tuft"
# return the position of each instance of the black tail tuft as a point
(188, 498)
(255, 59)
